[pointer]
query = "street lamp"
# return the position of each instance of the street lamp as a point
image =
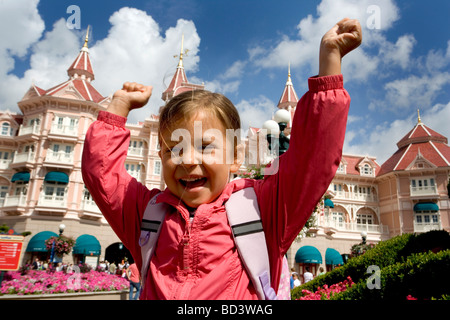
(275, 135)
(364, 237)
(61, 229)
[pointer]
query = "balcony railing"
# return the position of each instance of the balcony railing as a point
(353, 226)
(67, 130)
(356, 196)
(136, 152)
(423, 191)
(60, 156)
(15, 201)
(24, 157)
(52, 201)
(425, 227)
(24, 130)
(90, 205)
(4, 164)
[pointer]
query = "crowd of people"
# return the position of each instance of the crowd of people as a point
(104, 266)
(307, 276)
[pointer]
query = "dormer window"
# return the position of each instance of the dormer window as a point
(341, 168)
(6, 129)
(367, 170)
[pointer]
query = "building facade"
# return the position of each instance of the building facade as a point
(41, 185)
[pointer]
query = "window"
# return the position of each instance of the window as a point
(423, 186)
(157, 169)
(4, 155)
(6, 129)
(3, 191)
(364, 218)
(366, 170)
(55, 190)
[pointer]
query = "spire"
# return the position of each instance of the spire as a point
(82, 66)
(289, 96)
(289, 80)
(180, 63)
(86, 40)
(418, 116)
(179, 81)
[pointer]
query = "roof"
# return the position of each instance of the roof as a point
(353, 162)
(79, 84)
(420, 144)
(82, 65)
(179, 83)
(289, 96)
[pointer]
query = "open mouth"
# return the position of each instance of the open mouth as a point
(193, 182)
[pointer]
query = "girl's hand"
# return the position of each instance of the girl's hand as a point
(344, 37)
(132, 96)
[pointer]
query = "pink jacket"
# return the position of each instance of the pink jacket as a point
(199, 260)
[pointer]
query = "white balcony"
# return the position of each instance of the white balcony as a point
(24, 130)
(24, 157)
(136, 152)
(15, 201)
(90, 205)
(59, 157)
(66, 130)
(423, 191)
(52, 201)
(4, 164)
(345, 195)
(425, 227)
(354, 227)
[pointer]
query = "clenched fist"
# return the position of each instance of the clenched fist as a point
(132, 96)
(344, 37)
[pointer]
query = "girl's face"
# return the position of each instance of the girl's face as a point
(194, 159)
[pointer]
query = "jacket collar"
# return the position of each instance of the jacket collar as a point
(168, 197)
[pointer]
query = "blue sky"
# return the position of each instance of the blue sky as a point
(242, 49)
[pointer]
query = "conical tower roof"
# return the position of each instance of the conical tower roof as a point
(82, 66)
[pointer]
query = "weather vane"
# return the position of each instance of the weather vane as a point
(180, 64)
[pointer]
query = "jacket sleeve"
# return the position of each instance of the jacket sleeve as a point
(305, 171)
(121, 199)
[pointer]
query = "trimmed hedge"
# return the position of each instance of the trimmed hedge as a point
(422, 275)
(400, 251)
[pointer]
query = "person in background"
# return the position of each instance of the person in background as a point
(134, 278)
(307, 276)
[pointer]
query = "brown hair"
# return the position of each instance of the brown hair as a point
(186, 104)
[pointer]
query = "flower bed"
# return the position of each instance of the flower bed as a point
(326, 292)
(43, 282)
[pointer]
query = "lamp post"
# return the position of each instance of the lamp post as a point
(61, 229)
(364, 237)
(52, 253)
(278, 141)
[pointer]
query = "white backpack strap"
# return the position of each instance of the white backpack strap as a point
(245, 221)
(150, 228)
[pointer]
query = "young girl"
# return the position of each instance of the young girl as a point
(196, 257)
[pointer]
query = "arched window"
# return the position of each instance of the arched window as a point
(6, 129)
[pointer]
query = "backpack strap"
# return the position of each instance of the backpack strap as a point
(245, 221)
(150, 228)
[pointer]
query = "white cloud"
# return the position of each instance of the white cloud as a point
(303, 52)
(134, 50)
(382, 141)
(22, 27)
(416, 91)
(255, 112)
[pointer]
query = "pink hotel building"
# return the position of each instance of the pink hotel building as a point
(41, 186)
